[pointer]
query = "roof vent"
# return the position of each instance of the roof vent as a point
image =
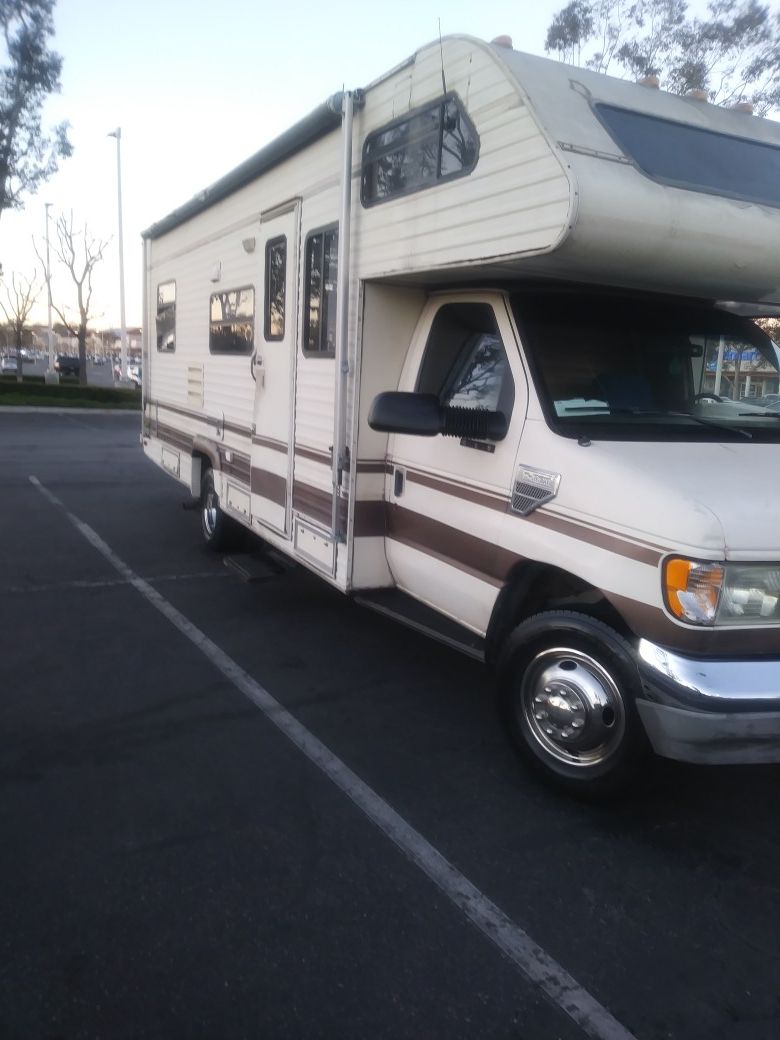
(743, 106)
(653, 82)
(697, 95)
(502, 41)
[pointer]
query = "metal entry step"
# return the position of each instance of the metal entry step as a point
(401, 607)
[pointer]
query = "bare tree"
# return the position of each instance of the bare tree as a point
(20, 297)
(80, 253)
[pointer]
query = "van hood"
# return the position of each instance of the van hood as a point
(715, 499)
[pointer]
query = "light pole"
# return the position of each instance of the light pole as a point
(51, 376)
(123, 328)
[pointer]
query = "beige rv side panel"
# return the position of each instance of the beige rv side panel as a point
(518, 199)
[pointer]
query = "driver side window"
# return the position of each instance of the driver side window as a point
(465, 363)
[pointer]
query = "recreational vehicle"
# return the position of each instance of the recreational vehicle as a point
(476, 345)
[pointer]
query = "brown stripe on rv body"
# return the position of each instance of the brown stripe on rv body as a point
(475, 556)
(602, 537)
(208, 420)
(313, 454)
(467, 492)
(318, 504)
(652, 622)
(269, 485)
(599, 537)
(174, 437)
(372, 466)
(370, 519)
(270, 442)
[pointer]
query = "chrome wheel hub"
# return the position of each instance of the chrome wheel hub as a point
(210, 512)
(572, 707)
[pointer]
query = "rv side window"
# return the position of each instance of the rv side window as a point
(319, 301)
(693, 157)
(166, 316)
(232, 324)
(465, 362)
(275, 281)
(433, 144)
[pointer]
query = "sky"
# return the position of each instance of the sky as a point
(196, 90)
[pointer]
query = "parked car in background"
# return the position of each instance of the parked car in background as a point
(767, 401)
(8, 365)
(67, 366)
(134, 375)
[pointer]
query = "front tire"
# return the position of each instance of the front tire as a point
(568, 686)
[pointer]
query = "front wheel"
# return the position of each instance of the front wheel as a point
(568, 689)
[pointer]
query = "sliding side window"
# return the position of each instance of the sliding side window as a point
(232, 321)
(432, 145)
(166, 317)
(319, 301)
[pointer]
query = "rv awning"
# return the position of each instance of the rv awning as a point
(323, 120)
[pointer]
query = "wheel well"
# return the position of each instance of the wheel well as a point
(535, 587)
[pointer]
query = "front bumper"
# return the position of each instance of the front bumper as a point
(709, 711)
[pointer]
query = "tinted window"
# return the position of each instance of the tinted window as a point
(431, 145)
(689, 157)
(232, 321)
(319, 304)
(465, 363)
(166, 316)
(275, 281)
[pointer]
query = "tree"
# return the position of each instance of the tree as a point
(733, 54)
(80, 253)
(31, 72)
(20, 297)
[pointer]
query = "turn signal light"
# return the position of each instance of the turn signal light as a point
(692, 589)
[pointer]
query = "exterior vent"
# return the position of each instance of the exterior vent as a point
(195, 385)
(533, 488)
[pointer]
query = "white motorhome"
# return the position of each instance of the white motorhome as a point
(459, 343)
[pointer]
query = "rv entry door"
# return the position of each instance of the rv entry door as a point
(273, 368)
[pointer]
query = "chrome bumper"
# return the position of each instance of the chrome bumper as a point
(709, 711)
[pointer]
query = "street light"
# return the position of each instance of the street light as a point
(51, 376)
(123, 329)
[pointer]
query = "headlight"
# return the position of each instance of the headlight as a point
(704, 593)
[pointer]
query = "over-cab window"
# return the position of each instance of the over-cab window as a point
(465, 362)
(696, 158)
(429, 146)
(319, 300)
(166, 316)
(275, 283)
(232, 321)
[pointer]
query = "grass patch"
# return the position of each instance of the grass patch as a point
(67, 394)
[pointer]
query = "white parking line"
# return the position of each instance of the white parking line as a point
(564, 991)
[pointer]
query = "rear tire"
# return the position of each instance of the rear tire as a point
(219, 531)
(568, 687)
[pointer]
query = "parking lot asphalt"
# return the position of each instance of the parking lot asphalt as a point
(172, 865)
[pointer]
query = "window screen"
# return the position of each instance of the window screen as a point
(690, 157)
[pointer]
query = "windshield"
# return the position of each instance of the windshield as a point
(624, 369)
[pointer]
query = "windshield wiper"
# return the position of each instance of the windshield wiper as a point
(687, 415)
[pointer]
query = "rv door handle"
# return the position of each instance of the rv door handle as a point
(398, 483)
